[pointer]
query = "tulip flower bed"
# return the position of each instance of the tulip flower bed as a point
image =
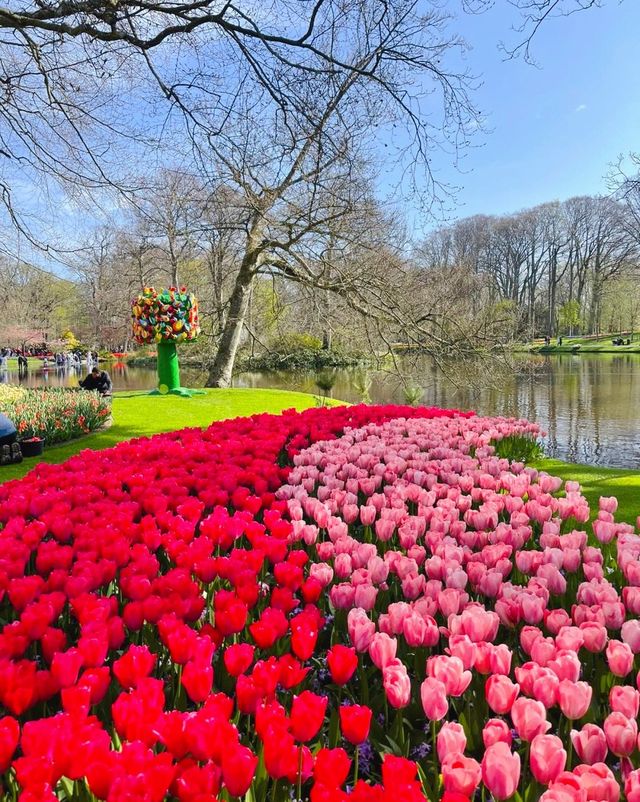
(55, 414)
(357, 603)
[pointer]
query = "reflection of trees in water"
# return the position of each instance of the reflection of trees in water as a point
(589, 406)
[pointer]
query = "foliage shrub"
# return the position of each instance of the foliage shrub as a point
(295, 341)
(519, 448)
(56, 414)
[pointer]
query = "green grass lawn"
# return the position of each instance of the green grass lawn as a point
(597, 481)
(138, 414)
(583, 345)
(32, 362)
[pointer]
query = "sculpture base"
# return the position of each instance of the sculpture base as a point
(183, 392)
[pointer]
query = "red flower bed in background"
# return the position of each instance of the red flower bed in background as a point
(273, 608)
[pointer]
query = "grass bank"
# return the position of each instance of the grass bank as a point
(583, 345)
(597, 481)
(138, 414)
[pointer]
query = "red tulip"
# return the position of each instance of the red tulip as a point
(197, 679)
(9, 737)
(238, 768)
(342, 662)
(307, 715)
(355, 722)
(135, 664)
(331, 767)
(238, 658)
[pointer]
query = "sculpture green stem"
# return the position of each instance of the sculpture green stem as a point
(168, 366)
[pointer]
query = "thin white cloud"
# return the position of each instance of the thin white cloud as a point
(582, 107)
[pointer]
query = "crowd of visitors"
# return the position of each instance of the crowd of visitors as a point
(61, 359)
(96, 379)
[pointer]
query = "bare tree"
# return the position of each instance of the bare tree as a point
(533, 15)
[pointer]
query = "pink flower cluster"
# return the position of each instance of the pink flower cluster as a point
(362, 603)
(476, 564)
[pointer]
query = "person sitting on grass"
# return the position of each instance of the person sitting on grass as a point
(98, 380)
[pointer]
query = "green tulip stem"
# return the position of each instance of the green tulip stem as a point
(299, 797)
(355, 765)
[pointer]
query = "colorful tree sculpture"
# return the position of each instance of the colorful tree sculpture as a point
(165, 318)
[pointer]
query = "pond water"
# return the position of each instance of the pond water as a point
(588, 405)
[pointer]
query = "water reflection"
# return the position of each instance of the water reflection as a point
(589, 405)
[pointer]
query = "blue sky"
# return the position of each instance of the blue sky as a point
(553, 129)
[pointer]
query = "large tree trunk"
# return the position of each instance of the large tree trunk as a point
(597, 285)
(551, 298)
(595, 305)
(221, 371)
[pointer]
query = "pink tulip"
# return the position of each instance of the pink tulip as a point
(342, 566)
(619, 658)
(500, 659)
(479, 624)
(562, 794)
(595, 636)
(434, 699)
(397, 612)
(598, 782)
(545, 688)
(566, 665)
(604, 531)
(571, 638)
(494, 731)
(574, 698)
(414, 629)
(382, 649)
(451, 740)
(528, 636)
(450, 671)
(482, 659)
(632, 786)
(547, 758)
(365, 596)
(501, 770)
(500, 693)
(630, 633)
(460, 646)
(361, 629)
(631, 599)
(590, 744)
(554, 620)
(624, 699)
(529, 718)
(385, 529)
(543, 650)
(367, 514)
(566, 788)
(397, 684)
(608, 503)
(621, 733)
(461, 774)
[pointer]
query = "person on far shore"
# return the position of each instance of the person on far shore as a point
(98, 380)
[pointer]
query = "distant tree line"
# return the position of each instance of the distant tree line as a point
(561, 267)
